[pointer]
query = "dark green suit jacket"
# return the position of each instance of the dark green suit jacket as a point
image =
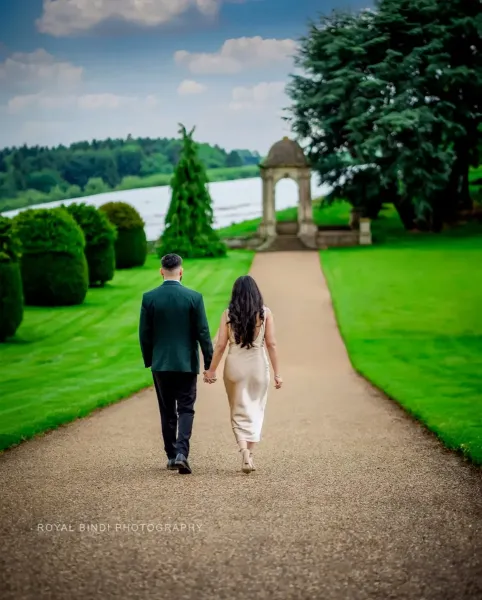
(172, 326)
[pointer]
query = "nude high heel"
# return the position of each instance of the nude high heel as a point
(251, 460)
(246, 466)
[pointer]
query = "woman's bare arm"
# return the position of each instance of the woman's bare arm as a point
(221, 343)
(270, 338)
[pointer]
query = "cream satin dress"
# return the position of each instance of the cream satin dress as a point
(246, 378)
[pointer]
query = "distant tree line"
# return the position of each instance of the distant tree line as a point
(97, 166)
(388, 104)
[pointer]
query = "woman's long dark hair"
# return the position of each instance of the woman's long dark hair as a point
(245, 310)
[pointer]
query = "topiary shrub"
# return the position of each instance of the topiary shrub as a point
(189, 221)
(53, 265)
(100, 236)
(131, 243)
(11, 294)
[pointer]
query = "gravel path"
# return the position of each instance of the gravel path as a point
(351, 500)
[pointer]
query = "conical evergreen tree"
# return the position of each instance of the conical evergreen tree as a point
(189, 221)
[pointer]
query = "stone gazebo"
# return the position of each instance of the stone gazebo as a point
(286, 159)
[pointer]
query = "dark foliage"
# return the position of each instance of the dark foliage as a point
(54, 279)
(189, 221)
(396, 91)
(101, 262)
(100, 236)
(53, 265)
(131, 243)
(11, 293)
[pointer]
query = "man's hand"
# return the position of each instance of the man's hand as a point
(210, 376)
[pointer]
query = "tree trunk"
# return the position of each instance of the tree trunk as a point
(355, 215)
(458, 193)
(373, 209)
(439, 216)
(465, 200)
(406, 212)
(404, 207)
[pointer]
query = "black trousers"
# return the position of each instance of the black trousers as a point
(176, 394)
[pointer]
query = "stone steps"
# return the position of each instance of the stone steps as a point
(285, 243)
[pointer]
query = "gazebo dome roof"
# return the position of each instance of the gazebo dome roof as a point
(285, 153)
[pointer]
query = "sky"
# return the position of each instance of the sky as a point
(74, 70)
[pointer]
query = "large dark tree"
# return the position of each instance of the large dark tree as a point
(435, 70)
(189, 220)
(388, 104)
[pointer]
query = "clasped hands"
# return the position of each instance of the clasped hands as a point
(210, 376)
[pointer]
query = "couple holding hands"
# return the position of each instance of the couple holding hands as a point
(173, 325)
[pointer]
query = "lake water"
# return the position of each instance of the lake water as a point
(233, 201)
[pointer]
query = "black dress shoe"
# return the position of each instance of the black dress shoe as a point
(183, 465)
(171, 464)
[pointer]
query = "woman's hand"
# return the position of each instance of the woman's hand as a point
(210, 376)
(278, 381)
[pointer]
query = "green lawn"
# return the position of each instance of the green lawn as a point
(410, 315)
(335, 214)
(66, 362)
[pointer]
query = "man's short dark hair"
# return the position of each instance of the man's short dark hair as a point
(171, 262)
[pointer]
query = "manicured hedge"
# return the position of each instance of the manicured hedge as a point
(11, 294)
(53, 264)
(131, 243)
(100, 236)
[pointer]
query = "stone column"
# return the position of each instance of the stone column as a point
(270, 215)
(262, 227)
(267, 227)
(308, 231)
(301, 204)
(305, 211)
(365, 232)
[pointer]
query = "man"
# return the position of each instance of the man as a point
(173, 324)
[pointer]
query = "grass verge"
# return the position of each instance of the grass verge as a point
(410, 316)
(66, 362)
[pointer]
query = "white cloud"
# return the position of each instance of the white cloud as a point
(103, 101)
(85, 102)
(39, 68)
(238, 54)
(255, 129)
(18, 104)
(215, 123)
(263, 95)
(152, 101)
(189, 87)
(70, 17)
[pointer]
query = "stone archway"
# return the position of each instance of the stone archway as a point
(286, 159)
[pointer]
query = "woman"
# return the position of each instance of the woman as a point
(248, 326)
